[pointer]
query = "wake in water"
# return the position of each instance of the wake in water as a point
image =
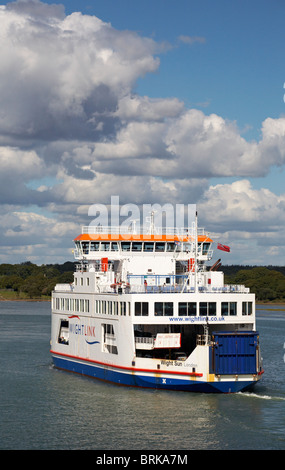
(256, 395)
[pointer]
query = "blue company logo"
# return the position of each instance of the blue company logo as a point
(84, 330)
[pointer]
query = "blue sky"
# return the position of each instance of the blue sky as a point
(183, 103)
(238, 69)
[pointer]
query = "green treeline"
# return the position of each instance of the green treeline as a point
(29, 281)
(268, 283)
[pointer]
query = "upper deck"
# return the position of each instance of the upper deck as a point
(100, 232)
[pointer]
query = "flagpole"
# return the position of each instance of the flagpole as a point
(196, 249)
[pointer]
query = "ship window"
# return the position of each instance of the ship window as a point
(247, 308)
(109, 339)
(123, 308)
(105, 246)
(207, 308)
(163, 309)
(192, 308)
(137, 246)
(98, 306)
(108, 330)
(186, 308)
(186, 247)
(229, 308)
(126, 246)
(159, 246)
(170, 246)
(63, 336)
(212, 308)
(141, 308)
(114, 246)
(205, 248)
(94, 246)
(85, 248)
(148, 246)
(203, 308)
(182, 309)
(233, 308)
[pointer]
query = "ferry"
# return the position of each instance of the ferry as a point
(146, 310)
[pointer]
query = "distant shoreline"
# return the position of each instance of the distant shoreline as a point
(25, 300)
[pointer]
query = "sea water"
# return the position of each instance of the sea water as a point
(44, 408)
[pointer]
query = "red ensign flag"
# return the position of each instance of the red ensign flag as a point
(223, 247)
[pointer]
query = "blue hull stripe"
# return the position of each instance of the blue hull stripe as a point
(148, 381)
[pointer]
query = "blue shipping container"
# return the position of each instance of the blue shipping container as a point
(234, 353)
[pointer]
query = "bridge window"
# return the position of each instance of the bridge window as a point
(137, 246)
(170, 246)
(148, 246)
(159, 246)
(204, 248)
(94, 246)
(85, 248)
(187, 247)
(126, 246)
(105, 246)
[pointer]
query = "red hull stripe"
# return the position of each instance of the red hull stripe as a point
(131, 369)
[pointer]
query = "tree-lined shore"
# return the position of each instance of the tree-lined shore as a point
(28, 281)
(267, 282)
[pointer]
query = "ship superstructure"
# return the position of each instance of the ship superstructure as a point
(145, 310)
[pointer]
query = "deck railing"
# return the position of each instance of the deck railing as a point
(171, 289)
(123, 229)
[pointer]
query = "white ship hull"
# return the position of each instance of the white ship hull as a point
(106, 347)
